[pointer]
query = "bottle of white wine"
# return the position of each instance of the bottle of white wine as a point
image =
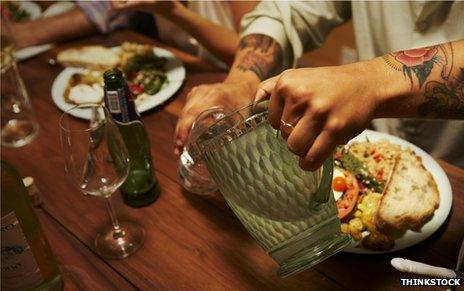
(27, 260)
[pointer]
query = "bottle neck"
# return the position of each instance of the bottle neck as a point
(115, 84)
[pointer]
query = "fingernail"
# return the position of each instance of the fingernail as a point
(260, 94)
(179, 142)
(176, 151)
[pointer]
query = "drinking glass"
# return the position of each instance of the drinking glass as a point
(18, 121)
(97, 162)
(193, 174)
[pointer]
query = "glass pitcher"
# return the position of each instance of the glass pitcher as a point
(291, 213)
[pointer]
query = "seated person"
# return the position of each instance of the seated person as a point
(86, 18)
(207, 29)
(318, 108)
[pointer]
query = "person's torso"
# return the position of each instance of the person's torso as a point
(384, 26)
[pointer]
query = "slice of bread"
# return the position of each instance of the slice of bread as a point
(410, 196)
(90, 57)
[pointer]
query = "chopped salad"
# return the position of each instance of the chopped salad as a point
(361, 172)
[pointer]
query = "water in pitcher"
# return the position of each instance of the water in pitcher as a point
(291, 213)
(276, 204)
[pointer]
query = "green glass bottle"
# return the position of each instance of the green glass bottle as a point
(141, 187)
(27, 260)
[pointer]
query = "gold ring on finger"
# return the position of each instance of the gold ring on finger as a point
(286, 127)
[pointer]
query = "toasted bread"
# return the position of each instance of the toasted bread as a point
(130, 49)
(410, 196)
(90, 57)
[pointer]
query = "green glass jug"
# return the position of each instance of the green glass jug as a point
(291, 213)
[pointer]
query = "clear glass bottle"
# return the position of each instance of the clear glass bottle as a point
(27, 260)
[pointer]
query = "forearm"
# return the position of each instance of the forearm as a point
(258, 57)
(429, 86)
(58, 28)
(219, 40)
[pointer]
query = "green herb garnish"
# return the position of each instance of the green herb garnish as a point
(349, 162)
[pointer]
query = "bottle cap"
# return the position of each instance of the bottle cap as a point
(111, 75)
(28, 181)
(32, 191)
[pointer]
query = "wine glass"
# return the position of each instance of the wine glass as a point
(97, 162)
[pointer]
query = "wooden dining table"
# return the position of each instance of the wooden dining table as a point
(193, 242)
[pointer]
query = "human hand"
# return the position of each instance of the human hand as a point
(227, 95)
(20, 34)
(318, 108)
(164, 8)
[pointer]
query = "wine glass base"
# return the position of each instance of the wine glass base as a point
(111, 244)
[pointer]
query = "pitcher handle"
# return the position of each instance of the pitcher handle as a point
(323, 193)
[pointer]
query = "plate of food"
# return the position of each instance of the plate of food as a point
(154, 75)
(390, 194)
(30, 11)
(21, 11)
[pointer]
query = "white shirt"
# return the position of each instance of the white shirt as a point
(380, 28)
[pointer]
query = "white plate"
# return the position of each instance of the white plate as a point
(31, 7)
(58, 8)
(31, 51)
(411, 237)
(175, 72)
(35, 12)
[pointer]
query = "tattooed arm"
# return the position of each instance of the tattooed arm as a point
(318, 108)
(258, 54)
(258, 57)
(426, 82)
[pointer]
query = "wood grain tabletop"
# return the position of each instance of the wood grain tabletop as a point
(193, 242)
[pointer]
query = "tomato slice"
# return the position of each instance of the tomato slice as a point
(339, 184)
(135, 89)
(347, 202)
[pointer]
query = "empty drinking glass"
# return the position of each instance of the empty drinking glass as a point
(193, 174)
(97, 163)
(18, 120)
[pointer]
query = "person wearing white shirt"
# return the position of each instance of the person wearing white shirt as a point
(412, 65)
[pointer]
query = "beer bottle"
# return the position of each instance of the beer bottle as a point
(27, 260)
(141, 187)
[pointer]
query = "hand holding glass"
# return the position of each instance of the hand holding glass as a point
(97, 162)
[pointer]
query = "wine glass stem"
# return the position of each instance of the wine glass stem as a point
(118, 232)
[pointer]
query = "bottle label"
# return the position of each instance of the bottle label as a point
(19, 267)
(121, 106)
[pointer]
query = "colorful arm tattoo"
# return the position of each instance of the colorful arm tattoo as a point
(443, 93)
(444, 98)
(263, 56)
